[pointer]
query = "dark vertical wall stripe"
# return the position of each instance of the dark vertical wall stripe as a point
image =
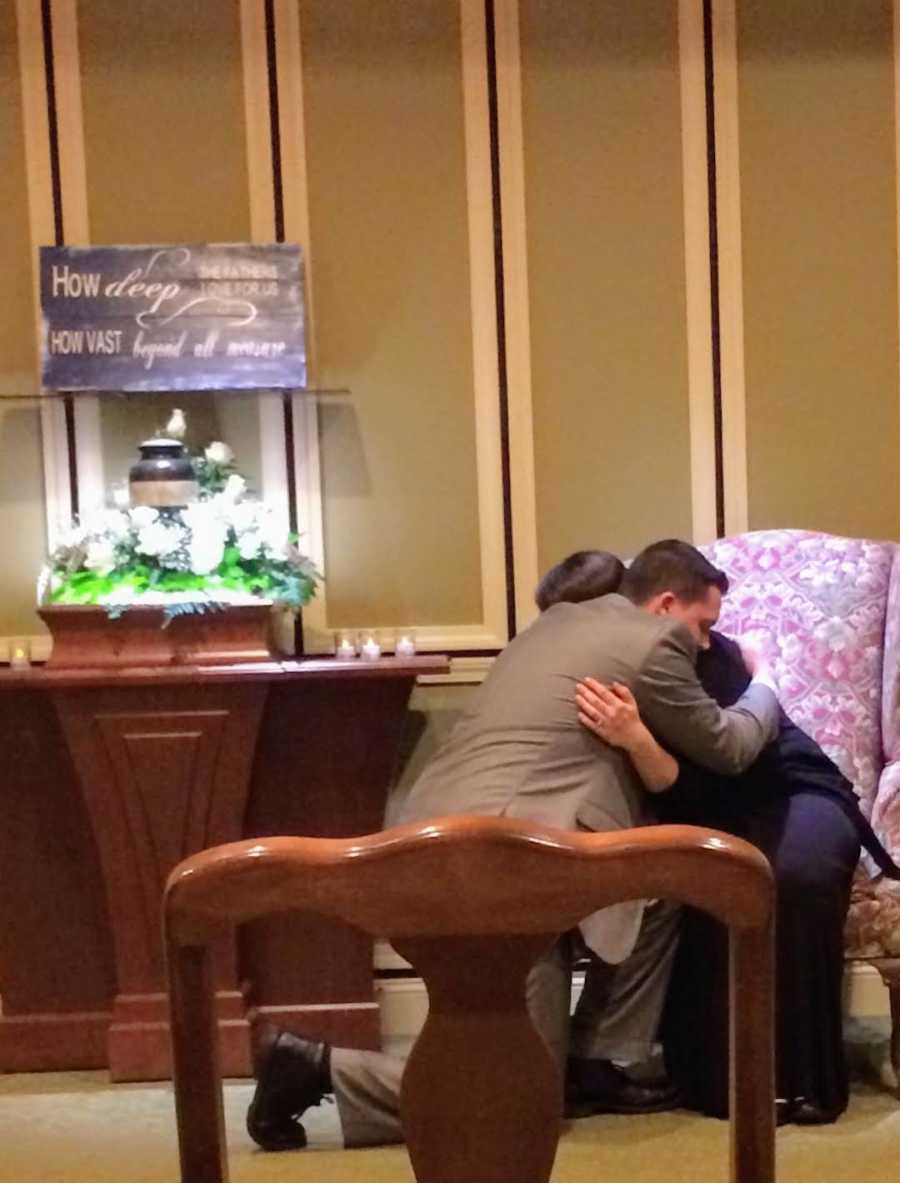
(58, 223)
(714, 260)
(278, 192)
(278, 196)
(501, 317)
(274, 120)
(49, 70)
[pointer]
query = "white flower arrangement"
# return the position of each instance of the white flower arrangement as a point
(224, 548)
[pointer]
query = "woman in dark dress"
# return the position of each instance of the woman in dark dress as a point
(795, 805)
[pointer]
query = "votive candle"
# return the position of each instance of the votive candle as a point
(405, 645)
(371, 646)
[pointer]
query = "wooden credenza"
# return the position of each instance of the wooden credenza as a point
(110, 778)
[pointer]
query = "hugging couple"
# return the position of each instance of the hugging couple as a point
(621, 706)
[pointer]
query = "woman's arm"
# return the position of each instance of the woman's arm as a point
(612, 714)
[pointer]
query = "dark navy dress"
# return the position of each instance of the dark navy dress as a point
(797, 807)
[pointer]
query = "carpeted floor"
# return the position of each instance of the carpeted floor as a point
(78, 1128)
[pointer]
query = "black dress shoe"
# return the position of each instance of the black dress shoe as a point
(784, 1111)
(291, 1074)
(598, 1086)
(807, 1112)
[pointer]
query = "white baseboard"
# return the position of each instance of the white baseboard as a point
(404, 1005)
(404, 1001)
(865, 994)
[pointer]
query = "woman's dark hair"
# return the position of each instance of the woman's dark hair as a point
(582, 576)
(673, 566)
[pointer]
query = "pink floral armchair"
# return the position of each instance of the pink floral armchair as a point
(830, 608)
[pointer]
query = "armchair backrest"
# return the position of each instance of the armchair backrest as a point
(823, 603)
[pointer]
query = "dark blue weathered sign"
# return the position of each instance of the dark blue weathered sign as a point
(215, 316)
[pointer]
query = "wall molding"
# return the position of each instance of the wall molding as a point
(305, 407)
(698, 294)
(517, 308)
(42, 230)
(464, 671)
(491, 632)
(76, 220)
(483, 291)
(731, 280)
(261, 197)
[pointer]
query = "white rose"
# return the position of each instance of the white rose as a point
(218, 453)
(74, 536)
(158, 539)
(243, 516)
(100, 556)
(206, 552)
(275, 538)
(249, 545)
(201, 517)
(142, 515)
(235, 487)
(115, 524)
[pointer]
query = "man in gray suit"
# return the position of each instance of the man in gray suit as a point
(520, 751)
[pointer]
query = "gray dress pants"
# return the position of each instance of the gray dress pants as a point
(616, 1018)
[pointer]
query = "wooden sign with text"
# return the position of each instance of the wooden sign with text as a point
(218, 316)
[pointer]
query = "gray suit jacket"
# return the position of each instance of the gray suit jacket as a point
(519, 750)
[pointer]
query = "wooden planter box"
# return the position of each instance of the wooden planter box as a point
(85, 636)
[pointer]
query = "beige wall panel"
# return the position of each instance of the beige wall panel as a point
(165, 155)
(818, 178)
(22, 523)
(605, 224)
(387, 196)
(21, 479)
(164, 132)
(17, 329)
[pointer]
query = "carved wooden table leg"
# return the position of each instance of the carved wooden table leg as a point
(164, 772)
(480, 1085)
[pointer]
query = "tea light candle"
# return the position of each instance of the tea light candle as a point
(345, 649)
(405, 645)
(371, 647)
(19, 657)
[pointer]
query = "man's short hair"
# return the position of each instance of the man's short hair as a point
(675, 566)
(582, 576)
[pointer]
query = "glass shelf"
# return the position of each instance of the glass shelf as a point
(35, 398)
